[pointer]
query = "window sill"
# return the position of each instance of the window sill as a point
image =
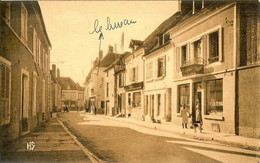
(148, 80)
(214, 117)
(160, 78)
(217, 63)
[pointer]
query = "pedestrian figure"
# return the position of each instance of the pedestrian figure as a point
(184, 115)
(129, 111)
(198, 117)
(95, 110)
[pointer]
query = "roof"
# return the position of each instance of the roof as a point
(38, 8)
(67, 81)
(108, 59)
(151, 41)
(120, 57)
(135, 42)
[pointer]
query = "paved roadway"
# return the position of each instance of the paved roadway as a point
(116, 141)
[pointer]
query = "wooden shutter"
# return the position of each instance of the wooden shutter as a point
(136, 73)
(178, 59)
(220, 43)
(164, 65)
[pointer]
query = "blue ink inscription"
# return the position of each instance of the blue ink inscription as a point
(118, 24)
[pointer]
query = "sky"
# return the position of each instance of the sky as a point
(69, 26)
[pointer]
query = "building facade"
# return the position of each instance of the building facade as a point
(134, 80)
(72, 95)
(25, 76)
(55, 89)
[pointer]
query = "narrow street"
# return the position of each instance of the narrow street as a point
(115, 141)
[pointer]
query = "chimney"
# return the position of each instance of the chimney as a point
(58, 73)
(110, 49)
(53, 71)
(184, 5)
(122, 42)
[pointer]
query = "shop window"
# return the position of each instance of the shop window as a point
(184, 96)
(137, 99)
(5, 87)
(161, 67)
(214, 97)
(24, 17)
(149, 70)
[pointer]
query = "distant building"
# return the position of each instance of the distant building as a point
(72, 94)
(24, 69)
(55, 89)
(134, 80)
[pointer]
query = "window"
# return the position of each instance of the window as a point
(160, 40)
(197, 52)
(35, 45)
(158, 104)
(129, 98)
(133, 74)
(213, 47)
(161, 67)
(107, 89)
(43, 60)
(34, 93)
(149, 70)
(39, 52)
(6, 11)
(120, 80)
(137, 99)
(102, 104)
(5, 87)
(214, 97)
(24, 23)
(43, 96)
(184, 55)
(184, 96)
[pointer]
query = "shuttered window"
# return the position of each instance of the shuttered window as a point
(5, 87)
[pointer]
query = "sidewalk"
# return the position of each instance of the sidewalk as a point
(234, 140)
(52, 144)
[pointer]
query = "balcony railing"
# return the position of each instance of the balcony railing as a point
(194, 66)
(119, 67)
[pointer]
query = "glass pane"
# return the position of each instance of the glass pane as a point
(197, 49)
(213, 46)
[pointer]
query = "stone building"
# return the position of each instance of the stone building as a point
(55, 89)
(72, 94)
(214, 53)
(25, 76)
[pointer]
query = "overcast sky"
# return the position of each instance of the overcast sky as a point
(69, 24)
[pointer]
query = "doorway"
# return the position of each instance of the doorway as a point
(25, 103)
(197, 95)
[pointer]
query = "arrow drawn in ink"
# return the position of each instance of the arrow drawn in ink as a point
(100, 38)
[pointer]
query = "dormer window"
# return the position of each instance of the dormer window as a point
(197, 5)
(160, 40)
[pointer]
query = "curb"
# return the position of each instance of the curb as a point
(93, 158)
(197, 137)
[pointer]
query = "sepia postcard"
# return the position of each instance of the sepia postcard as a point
(130, 81)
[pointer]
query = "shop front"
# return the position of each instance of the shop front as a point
(215, 95)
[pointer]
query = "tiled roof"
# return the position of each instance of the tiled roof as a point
(67, 81)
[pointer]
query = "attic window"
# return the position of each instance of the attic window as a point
(160, 40)
(197, 5)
